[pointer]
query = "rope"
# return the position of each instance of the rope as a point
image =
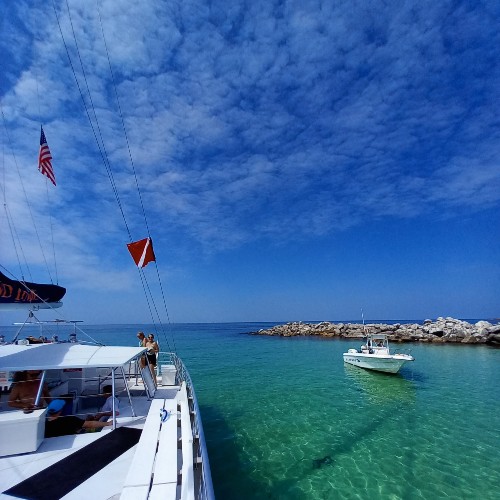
(12, 228)
(166, 311)
(51, 221)
(102, 150)
(141, 272)
(122, 121)
(26, 198)
(46, 184)
(47, 305)
(14, 235)
(104, 156)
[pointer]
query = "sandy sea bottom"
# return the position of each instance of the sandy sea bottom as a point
(286, 419)
(301, 424)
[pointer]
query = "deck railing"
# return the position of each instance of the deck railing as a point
(200, 455)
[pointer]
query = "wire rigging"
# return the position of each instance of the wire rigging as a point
(123, 121)
(12, 227)
(105, 158)
(28, 204)
(143, 276)
(51, 218)
(51, 221)
(102, 150)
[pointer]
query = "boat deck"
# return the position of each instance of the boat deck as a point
(153, 459)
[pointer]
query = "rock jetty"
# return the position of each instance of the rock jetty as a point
(442, 330)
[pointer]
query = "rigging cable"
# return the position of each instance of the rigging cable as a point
(136, 182)
(104, 155)
(28, 204)
(107, 162)
(47, 305)
(97, 134)
(102, 150)
(51, 218)
(12, 228)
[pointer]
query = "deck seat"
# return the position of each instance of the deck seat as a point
(165, 467)
(155, 455)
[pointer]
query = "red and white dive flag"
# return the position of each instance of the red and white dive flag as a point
(45, 159)
(142, 252)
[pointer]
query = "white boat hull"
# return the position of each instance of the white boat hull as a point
(166, 459)
(390, 363)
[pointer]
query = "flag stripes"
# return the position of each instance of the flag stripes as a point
(45, 159)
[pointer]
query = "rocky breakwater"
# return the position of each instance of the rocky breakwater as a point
(442, 330)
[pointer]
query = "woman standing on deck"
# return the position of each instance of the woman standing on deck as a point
(141, 338)
(153, 349)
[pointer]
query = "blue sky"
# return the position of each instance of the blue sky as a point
(297, 160)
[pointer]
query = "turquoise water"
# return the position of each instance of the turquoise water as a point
(284, 418)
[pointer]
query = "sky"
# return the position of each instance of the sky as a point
(296, 160)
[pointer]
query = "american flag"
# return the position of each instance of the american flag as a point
(45, 159)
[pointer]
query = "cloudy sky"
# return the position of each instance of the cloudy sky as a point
(297, 160)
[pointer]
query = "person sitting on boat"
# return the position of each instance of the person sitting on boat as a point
(33, 340)
(153, 350)
(25, 390)
(107, 408)
(58, 425)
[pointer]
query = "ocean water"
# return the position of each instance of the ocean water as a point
(284, 418)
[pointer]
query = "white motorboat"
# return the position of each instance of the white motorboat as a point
(154, 448)
(376, 355)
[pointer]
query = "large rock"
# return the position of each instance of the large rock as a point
(439, 331)
(493, 339)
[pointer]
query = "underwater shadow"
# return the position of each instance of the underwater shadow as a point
(386, 393)
(229, 463)
(347, 445)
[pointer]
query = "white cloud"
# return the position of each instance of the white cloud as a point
(259, 121)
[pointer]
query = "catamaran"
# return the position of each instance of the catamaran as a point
(154, 446)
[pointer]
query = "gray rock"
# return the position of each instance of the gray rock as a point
(439, 331)
(483, 324)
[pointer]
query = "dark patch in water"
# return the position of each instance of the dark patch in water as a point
(319, 462)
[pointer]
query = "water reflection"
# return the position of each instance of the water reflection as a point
(381, 387)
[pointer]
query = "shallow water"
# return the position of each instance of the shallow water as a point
(284, 418)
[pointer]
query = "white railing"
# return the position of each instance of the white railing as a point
(205, 490)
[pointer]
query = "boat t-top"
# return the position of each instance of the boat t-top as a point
(376, 355)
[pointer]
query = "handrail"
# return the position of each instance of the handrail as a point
(200, 453)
